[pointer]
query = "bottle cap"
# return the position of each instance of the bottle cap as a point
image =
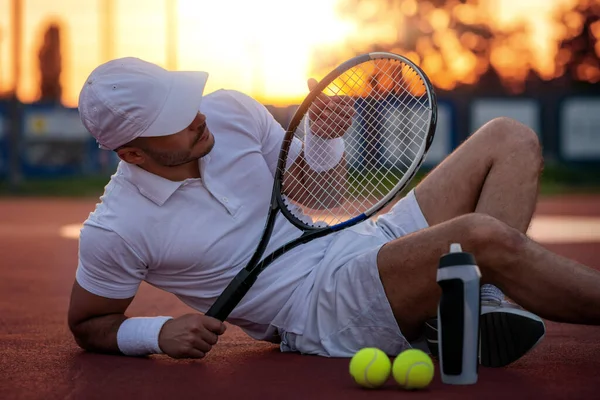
(456, 257)
(455, 248)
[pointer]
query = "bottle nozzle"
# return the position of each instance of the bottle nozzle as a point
(455, 248)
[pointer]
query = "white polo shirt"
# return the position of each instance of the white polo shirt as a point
(190, 238)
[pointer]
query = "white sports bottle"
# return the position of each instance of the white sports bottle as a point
(458, 317)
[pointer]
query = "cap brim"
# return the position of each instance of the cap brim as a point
(182, 105)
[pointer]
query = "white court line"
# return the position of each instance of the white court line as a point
(562, 229)
(70, 231)
(544, 229)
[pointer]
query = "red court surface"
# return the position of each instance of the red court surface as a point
(39, 359)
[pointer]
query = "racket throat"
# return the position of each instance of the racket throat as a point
(232, 295)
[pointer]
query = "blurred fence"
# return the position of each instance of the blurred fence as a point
(54, 143)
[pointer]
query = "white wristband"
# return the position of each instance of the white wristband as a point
(322, 154)
(139, 336)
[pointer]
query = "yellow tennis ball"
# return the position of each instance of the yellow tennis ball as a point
(413, 369)
(370, 367)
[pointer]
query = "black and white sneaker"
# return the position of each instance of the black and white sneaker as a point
(507, 333)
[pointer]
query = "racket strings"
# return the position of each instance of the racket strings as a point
(387, 108)
(389, 122)
(371, 193)
(397, 120)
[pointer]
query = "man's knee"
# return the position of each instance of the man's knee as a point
(513, 136)
(486, 235)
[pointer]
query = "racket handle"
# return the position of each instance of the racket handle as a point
(231, 296)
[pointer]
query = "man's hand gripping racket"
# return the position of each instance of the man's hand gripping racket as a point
(366, 129)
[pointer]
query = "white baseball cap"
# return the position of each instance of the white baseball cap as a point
(128, 98)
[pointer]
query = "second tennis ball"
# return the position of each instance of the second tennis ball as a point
(413, 369)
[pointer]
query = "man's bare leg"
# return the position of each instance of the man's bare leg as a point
(495, 172)
(552, 286)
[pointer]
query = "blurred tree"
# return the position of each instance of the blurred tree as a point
(579, 53)
(50, 65)
(449, 39)
(460, 42)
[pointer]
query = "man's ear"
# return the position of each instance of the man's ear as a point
(131, 155)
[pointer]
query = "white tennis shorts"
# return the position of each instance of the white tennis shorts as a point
(348, 309)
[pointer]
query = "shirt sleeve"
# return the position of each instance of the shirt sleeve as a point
(108, 266)
(269, 132)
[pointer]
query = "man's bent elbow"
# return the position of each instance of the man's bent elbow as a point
(98, 335)
(81, 338)
(81, 342)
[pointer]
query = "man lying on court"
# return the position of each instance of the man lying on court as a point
(185, 208)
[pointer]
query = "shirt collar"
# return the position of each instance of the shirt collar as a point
(156, 188)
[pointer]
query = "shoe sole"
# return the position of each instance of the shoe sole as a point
(505, 336)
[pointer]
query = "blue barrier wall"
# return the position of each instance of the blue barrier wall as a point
(55, 143)
(527, 111)
(579, 127)
(445, 139)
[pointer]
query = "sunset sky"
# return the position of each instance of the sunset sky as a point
(261, 47)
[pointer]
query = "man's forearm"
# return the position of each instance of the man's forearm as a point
(329, 188)
(317, 190)
(99, 334)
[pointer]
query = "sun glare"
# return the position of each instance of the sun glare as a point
(536, 17)
(263, 48)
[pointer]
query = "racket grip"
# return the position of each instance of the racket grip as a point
(231, 296)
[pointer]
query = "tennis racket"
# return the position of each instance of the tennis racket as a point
(381, 109)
